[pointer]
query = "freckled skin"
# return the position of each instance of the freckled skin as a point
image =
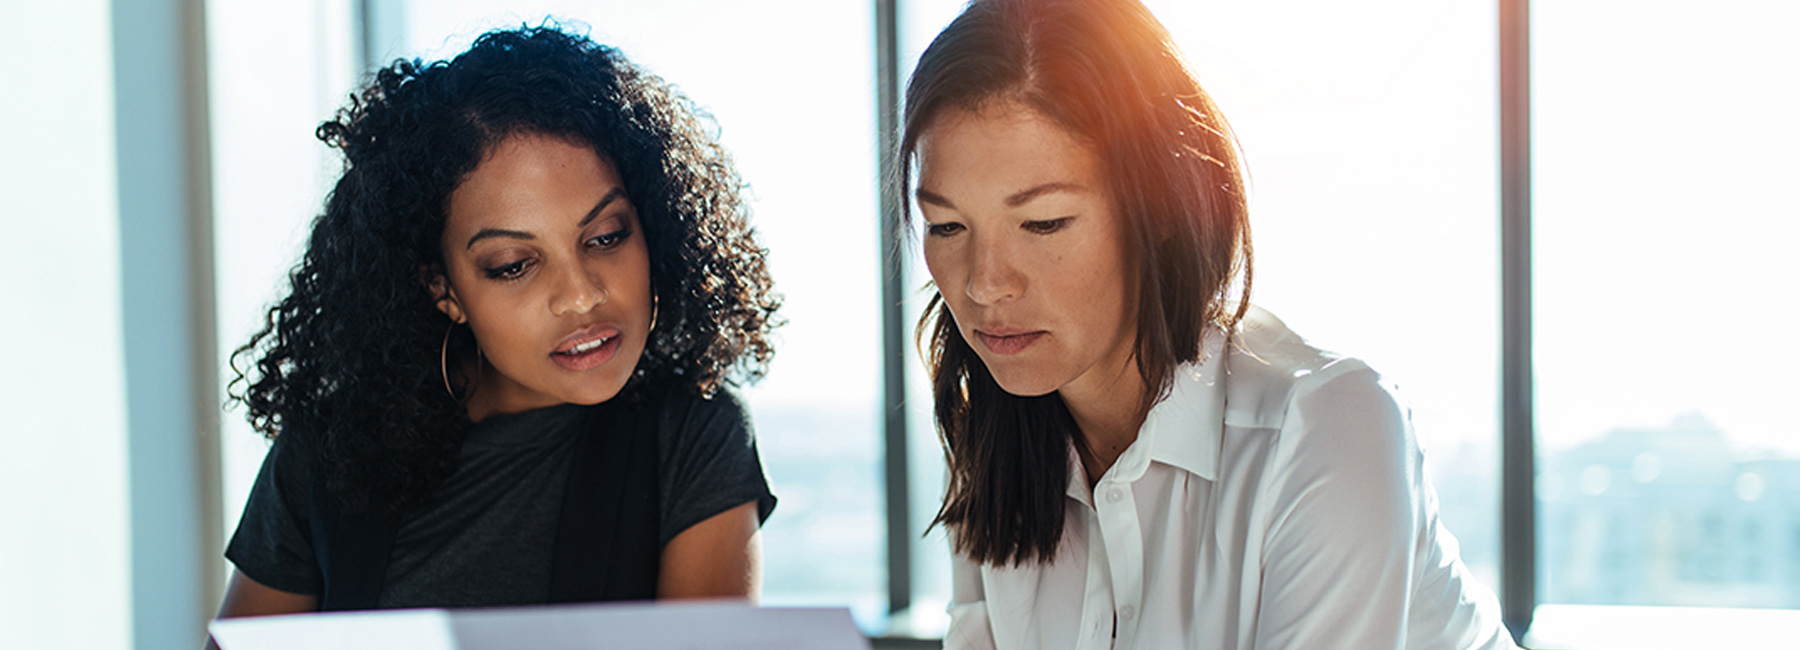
(1052, 264)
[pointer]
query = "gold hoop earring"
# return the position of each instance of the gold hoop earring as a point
(444, 361)
(653, 309)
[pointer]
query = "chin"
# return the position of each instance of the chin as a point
(1022, 382)
(610, 381)
(594, 392)
(605, 395)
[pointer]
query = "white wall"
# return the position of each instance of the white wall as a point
(271, 87)
(64, 570)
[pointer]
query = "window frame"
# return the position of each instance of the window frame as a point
(1518, 435)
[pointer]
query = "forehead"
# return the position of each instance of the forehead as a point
(997, 150)
(529, 177)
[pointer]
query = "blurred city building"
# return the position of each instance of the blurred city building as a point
(1673, 516)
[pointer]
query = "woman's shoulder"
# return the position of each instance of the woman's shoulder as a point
(709, 459)
(1315, 415)
(686, 416)
(1274, 374)
(684, 402)
(295, 454)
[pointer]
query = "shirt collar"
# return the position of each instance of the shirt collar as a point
(1078, 487)
(1186, 428)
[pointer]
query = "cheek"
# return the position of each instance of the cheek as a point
(642, 267)
(933, 258)
(943, 264)
(498, 329)
(626, 276)
(1092, 285)
(946, 275)
(1121, 301)
(504, 317)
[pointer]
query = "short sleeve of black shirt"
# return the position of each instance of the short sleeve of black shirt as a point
(709, 465)
(709, 461)
(273, 543)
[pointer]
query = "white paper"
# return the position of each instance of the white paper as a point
(417, 629)
(695, 625)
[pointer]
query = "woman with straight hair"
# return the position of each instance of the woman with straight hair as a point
(1139, 458)
(500, 375)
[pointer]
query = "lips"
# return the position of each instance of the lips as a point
(1008, 340)
(587, 348)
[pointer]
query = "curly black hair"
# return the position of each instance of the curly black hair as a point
(348, 362)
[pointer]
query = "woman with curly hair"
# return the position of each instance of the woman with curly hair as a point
(499, 376)
(1137, 457)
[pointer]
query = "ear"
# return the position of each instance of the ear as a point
(442, 294)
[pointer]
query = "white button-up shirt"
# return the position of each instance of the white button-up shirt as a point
(1275, 499)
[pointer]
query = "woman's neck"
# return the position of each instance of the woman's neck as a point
(1107, 407)
(489, 395)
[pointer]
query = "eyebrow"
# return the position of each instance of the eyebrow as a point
(1017, 199)
(1021, 198)
(613, 195)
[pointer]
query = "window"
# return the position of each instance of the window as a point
(1664, 293)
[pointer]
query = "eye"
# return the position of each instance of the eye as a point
(611, 239)
(945, 229)
(1046, 226)
(509, 271)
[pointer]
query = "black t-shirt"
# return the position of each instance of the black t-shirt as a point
(486, 535)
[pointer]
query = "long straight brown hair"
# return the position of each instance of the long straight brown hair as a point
(1109, 73)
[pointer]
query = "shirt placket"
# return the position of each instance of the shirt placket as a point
(1124, 549)
(1097, 602)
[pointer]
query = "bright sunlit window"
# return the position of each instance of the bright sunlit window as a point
(1669, 465)
(1370, 134)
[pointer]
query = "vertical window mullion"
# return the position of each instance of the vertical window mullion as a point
(381, 33)
(1518, 528)
(893, 296)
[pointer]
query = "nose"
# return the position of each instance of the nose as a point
(577, 292)
(993, 276)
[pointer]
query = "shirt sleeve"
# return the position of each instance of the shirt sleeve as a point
(1345, 479)
(969, 626)
(273, 542)
(710, 464)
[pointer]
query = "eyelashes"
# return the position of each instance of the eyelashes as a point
(600, 243)
(1040, 227)
(509, 271)
(610, 240)
(1047, 226)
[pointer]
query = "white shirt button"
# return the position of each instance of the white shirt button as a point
(1114, 495)
(1126, 612)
